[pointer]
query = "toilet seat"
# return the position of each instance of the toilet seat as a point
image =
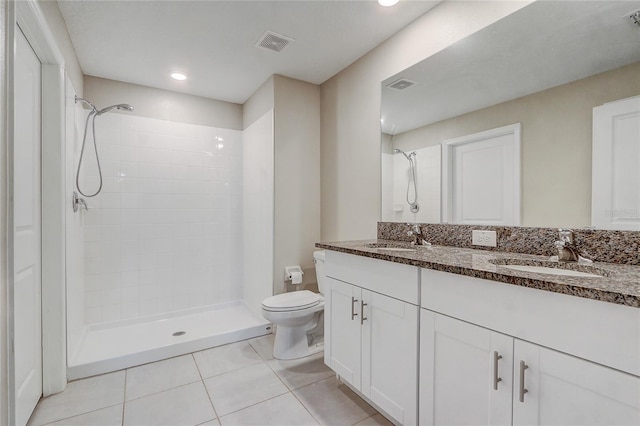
(292, 301)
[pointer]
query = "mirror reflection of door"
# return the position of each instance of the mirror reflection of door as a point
(615, 202)
(27, 231)
(481, 178)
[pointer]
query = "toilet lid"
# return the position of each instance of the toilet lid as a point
(291, 301)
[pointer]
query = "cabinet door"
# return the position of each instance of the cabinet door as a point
(465, 373)
(561, 389)
(342, 308)
(390, 355)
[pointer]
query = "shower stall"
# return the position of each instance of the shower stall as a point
(175, 252)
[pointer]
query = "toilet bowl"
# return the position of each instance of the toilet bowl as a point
(298, 317)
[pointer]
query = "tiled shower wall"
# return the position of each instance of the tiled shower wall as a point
(162, 234)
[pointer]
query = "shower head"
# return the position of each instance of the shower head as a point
(407, 156)
(123, 107)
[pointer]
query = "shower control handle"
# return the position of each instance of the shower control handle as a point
(353, 308)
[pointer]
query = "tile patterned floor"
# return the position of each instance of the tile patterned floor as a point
(236, 384)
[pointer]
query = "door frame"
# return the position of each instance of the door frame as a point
(29, 16)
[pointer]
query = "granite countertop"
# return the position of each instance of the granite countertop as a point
(615, 283)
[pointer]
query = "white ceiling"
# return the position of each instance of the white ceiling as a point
(213, 42)
(543, 45)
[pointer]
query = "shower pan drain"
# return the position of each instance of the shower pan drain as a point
(179, 333)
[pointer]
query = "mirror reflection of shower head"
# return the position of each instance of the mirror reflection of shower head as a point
(413, 205)
(122, 107)
(407, 156)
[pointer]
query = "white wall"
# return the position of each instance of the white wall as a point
(350, 115)
(296, 109)
(6, 15)
(297, 178)
(260, 102)
(163, 104)
(58, 27)
(257, 212)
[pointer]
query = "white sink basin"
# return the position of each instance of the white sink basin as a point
(551, 271)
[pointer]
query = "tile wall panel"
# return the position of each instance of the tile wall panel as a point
(162, 234)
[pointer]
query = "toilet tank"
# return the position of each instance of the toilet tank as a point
(318, 259)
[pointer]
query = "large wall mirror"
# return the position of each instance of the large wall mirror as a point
(543, 69)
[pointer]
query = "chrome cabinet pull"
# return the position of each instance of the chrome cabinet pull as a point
(523, 367)
(496, 379)
(362, 317)
(353, 307)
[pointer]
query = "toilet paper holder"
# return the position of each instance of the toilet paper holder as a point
(293, 274)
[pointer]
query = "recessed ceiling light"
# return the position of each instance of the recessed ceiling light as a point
(388, 3)
(178, 76)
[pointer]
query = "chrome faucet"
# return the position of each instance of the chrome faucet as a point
(419, 237)
(567, 251)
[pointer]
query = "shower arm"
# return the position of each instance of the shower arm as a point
(94, 110)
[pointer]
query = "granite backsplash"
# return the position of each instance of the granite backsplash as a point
(598, 245)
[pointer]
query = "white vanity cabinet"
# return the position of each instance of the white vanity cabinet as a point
(493, 353)
(371, 330)
(466, 373)
(565, 390)
(470, 375)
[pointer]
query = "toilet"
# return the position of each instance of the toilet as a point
(298, 317)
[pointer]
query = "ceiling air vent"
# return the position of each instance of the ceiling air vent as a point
(401, 84)
(274, 41)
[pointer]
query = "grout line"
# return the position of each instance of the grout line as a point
(304, 406)
(75, 415)
(124, 395)
(248, 341)
(254, 404)
(206, 389)
(163, 391)
(261, 337)
(278, 376)
(312, 383)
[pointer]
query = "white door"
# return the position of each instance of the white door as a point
(564, 390)
(390, 355)
(26, 231)
(344, 331)
(465, 373)
(615, 200)
(481, 178)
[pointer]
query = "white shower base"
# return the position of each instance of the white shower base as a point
(116, 345)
